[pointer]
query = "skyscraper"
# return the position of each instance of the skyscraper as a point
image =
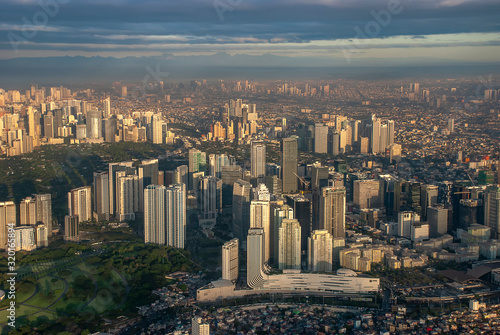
(24, 238)
(255, 257)
(302, 211)
(230, 260)
(80, 204)
(41, 236)
(44, 211)
(71, 228)
(428, 198)
(289, 244)
(197, 163)
(289, 152)
(7, 216)
(113, 169)
(258, 159)
(94, 124)
(492, 209)
(375, 139)
(157, 129)
(101, 196)
(320, 138)
(127, 195)
(279, 212)
(241, 208)
(368, 193)
(217, 162)
(207, 200)
(320, 253)
(332, 210)
(148, 175)
(259, 218)
(27, 212)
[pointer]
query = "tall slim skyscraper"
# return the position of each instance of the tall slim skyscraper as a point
(148, 175)
(332, 210)
(390, 132)
(320, 138)
(255, 257)
(241, 208)
(113, 169)
(492, 209)
(216, 163)
(27, 213)
(289, 153)
(259, 218)
(320, 253)
(197, 163)
(127, 195)
(101, 196)
(289, 244)
(182, 175)
(94, 124)
(44, 211)
(428, 198)
(230, 260)
(157, 129)
(258, 159)
(375, 139)
(7, 216)
(80, 204)
(207, 200)
(165, 215)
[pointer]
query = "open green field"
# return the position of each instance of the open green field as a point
(79, 289)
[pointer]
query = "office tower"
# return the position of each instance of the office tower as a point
(471, 212)
(94, 124)
(390, 132)
(279, 212)
(485, 177)
(24, 238)
(197, 163)
(182, 175)
(44, 211)
(148, 175)
(199, 327)
(124, 91)
(110, 126)
(48, 126)
(492, 209)
(27, 213)
(255, 257)
(302, 211)
(71, 228)
(154, 214)
(451, 125)
(207, 201)
(80, 204)
(261, 193)
(258, 159)
(338, 245)
(107, 107)
(364, 145)
(437, 217)
(320, 138)
(289, 244)
(405, 222)
(165, 215)
(230, 260)
(41, 236)
(289, 153)
(320, 255)
(259, 218)
(157, 129)
(230, 174)
(127, 195)
(428, 198)
(394, 153)
(113, 169)
(375, 139)
(7, 216)
(101, 196)
(217, 163)
(383, 142)
(368, 193)
(241, 208)
(332, 210)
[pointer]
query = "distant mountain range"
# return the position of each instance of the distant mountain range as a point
(19, 72)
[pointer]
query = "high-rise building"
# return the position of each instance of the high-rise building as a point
(241, 208)
(207, 200)
(492, 209)
(428, 198)
(390, 132)
(27, 212)
(230, 260)
(217, 163)
(368, 193)
(7, 216)
(451, 125)
(157, 129)
(148, 175)
(437, 217)
(332, 210)
(255, 257)
(44, 211)
(101, 196)
(289, 244)
(302, 211)
(48, 126)
(230, 174)
(199, 327)
(113, 169)
(124, 91)
(110, 126)
(197, 163)
(94, 124)
(24, 237)
(320, 138)
(165, 215)
(259, 218)
(405, 223)
(279, 212)
(80, 204)
(258, 159)
(41, 236)
(71, 228)
(261, 193)
(182, 175)
(127, 195)
(375, 139)
(289, 154)
(320, 255)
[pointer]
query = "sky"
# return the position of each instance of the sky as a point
(313, 31)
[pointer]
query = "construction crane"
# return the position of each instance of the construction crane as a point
(303, 181)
